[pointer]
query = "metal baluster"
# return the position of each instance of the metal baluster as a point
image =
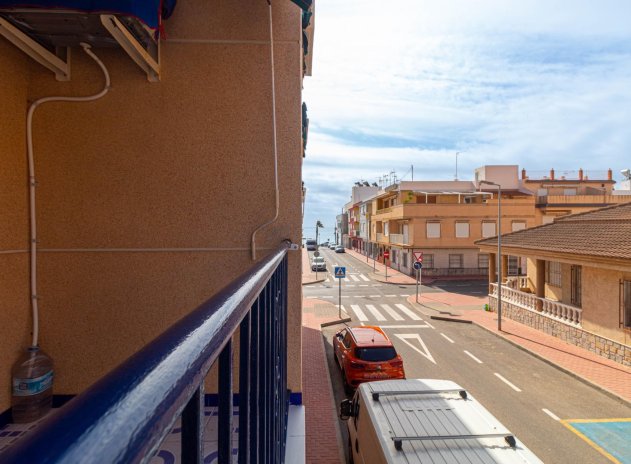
(192, 441)
(255, 404)
(244, 389)
(224, 426)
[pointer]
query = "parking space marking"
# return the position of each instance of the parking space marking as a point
(473, 357)
(607, 436)
(507, 382)
(447, 338)
(551, 414)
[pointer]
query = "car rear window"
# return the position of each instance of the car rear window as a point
(380, 353)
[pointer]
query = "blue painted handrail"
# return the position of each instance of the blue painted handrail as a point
(124, 416)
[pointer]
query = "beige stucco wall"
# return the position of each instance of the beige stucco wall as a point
(15, 316)
(601, 303)
(184, 163)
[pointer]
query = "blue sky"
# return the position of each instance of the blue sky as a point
(539, 83)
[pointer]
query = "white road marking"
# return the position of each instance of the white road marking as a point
(473, 357)
(408, 313)
(354, 277)
(423, 326)
(425, 352)
(327, 296)
(350, 285)
(390, 296)
(447, 338)
(363, 285)
(364, 278)
(551, 414)
(376, 285)
(374, 296)
(360, 314)
(503, 379)
(375, 312)
(405, 295)
(395, 315)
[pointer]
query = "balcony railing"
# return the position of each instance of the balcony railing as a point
(454, 271)
(124, 417)
(399, 238)
(382, 238)
(554, 309)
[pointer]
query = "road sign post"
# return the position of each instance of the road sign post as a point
(418, 266)
(340, 273)
(386, 255)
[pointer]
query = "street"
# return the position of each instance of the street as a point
(529, 396)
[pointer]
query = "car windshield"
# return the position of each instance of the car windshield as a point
(380, 353)
(318, 260)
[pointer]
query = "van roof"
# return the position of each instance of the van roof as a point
(418, 420)
(369, 335)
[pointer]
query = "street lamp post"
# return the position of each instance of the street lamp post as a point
(499, 251)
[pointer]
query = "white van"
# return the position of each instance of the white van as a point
(425, 421)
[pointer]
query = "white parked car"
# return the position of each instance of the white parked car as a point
(318, 264)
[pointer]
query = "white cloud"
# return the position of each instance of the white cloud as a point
(537, 83)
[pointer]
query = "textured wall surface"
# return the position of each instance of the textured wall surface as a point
(141, 192)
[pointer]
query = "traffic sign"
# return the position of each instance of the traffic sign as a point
(418, 265)
(418, 255)
(316, 253)
(386, 254)
(340, 272)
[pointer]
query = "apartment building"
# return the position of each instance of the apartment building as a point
(443, 219)
(578, 282)
(180, 175)
(358, 213)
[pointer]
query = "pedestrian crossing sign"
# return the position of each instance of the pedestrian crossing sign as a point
(340, 272)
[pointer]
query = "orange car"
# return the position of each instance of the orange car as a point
(364, 354)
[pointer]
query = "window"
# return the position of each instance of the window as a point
(626, 303)
(513, 265)
(483, 261)
(518, 225)
(393, 256)
(428, 261)
(569, 191)
(433, 230)
(462, 230)
(455, 261)
(348, 340)
(404, 255)
(553, 273)
(576, 272)
(386, 228)
(488, 229)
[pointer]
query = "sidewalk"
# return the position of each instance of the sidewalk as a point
(394, 276)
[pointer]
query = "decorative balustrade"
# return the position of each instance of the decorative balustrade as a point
(554, 309)
(399, 238)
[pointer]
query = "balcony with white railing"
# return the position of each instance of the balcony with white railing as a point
(556, 310)
(382, 238)
(399, 238)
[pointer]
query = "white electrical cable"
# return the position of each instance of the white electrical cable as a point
(33, 183)
(271, 41)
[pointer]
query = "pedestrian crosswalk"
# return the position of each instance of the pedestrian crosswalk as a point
(384, 312)
(349, 278)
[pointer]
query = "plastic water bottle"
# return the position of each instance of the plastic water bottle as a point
(32, 385)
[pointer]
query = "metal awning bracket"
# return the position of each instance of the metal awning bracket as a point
(148, 63)
(58, 62)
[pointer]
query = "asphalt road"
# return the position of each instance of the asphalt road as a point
(527, 395)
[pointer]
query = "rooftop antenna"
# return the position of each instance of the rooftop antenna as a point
(626, 173)
(457, 153)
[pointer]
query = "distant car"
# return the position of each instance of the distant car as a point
(339, 249)
(318, 264)
(312, 245)
(366, 353)
(333, 246)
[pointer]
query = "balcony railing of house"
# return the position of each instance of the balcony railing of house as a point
(124, 417)
(399, 238)
(578, 200)
(554, 309)
(382, 238)
(384, 210)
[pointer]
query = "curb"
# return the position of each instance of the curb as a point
(450, 319)
(313, 282)
(335, 322)
(586, 381)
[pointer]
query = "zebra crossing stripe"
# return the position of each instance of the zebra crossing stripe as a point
(375, 312)
(360, 314)
(407, 312)
(364, 278)
(354, 277)
(393, 314)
